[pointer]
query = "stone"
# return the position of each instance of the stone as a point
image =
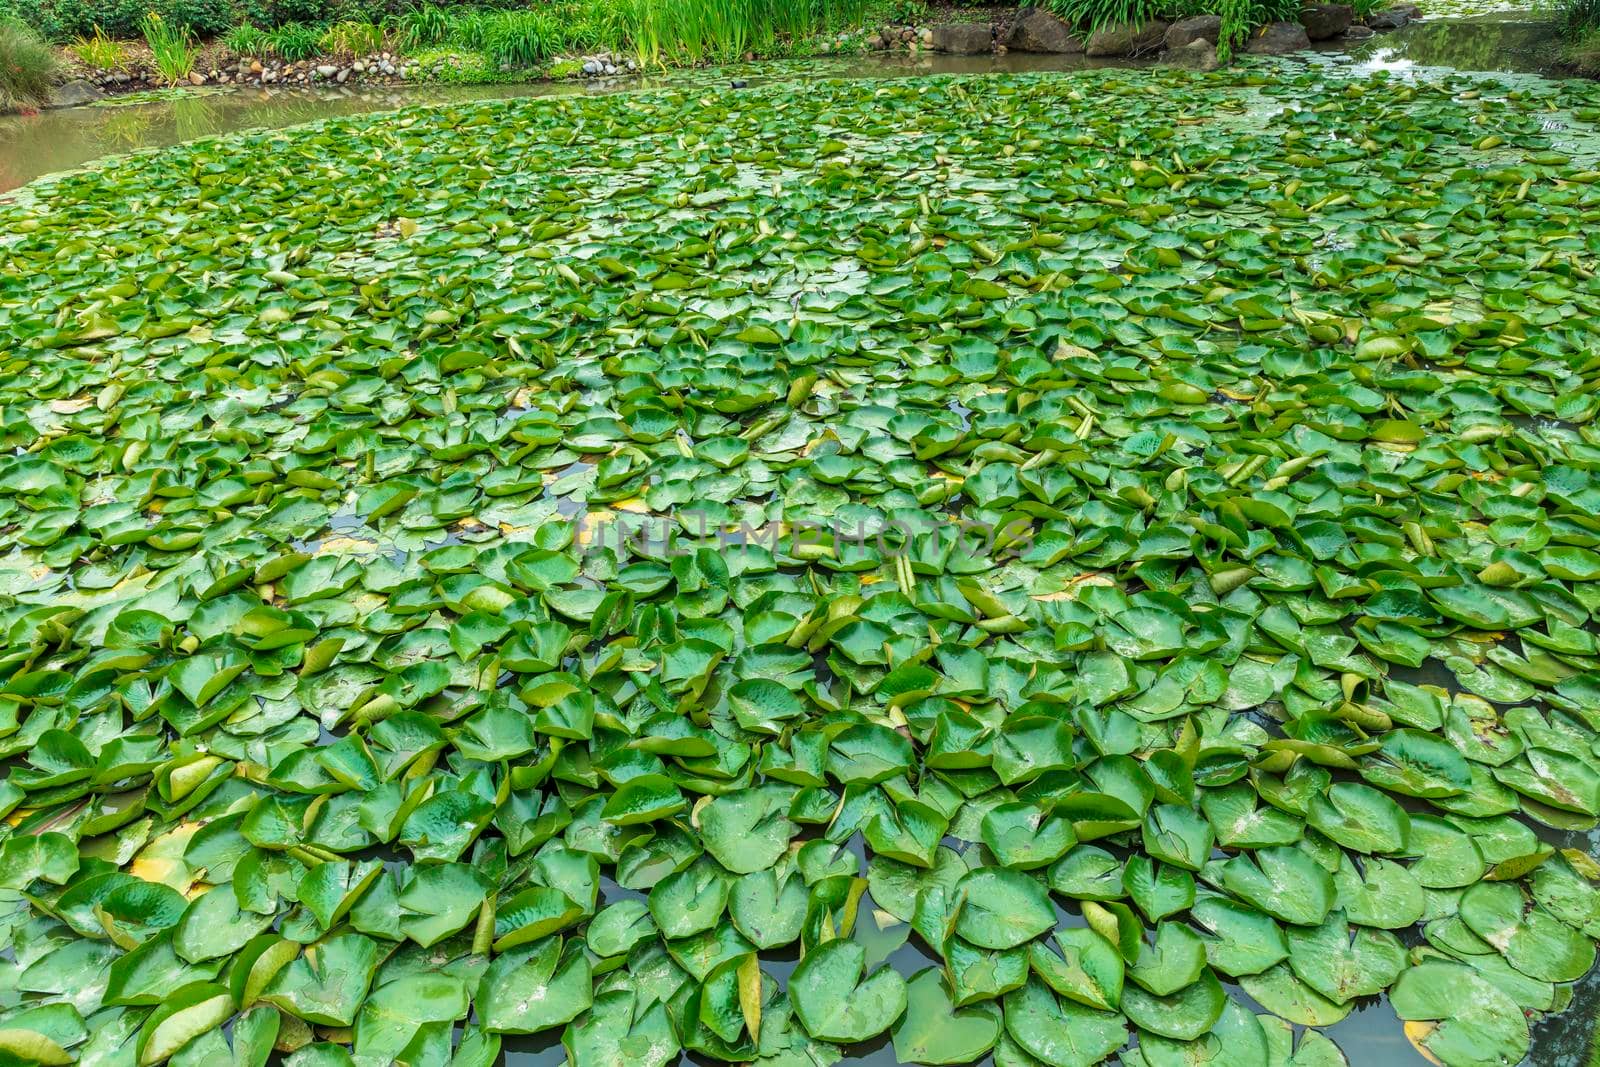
(874, 42)
(926, 36)
(75, 93)
(1392, 19)
(1206, 28)
(327, 70)
(342, 76)
(1127, 39)
(1358, 33)
(1198, 54)
(1277, 39)
(963, 38)
(196, 78)
(1039, 31)
(1324, 22)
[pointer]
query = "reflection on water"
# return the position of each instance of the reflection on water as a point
(1509, 43)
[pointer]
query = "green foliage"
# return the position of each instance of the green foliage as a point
(519, 38)
(27, 65)
(1163, 485)
(694, 31)
(246, 40)
(171, 46)
(424, 26)
(67, 20)
(294, 41)
(1239, 17)
(1092, 15)
(1579, 18)
(100, 51)
(352, 38)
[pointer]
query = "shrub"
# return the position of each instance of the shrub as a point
(294, 41)
(100, 51)
(170, 45)
(27, 65)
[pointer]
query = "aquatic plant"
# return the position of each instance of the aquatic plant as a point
(172, 49)
(27, 65)
(549, 566)
(100, 51)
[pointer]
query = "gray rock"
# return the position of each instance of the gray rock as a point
(1040, 31)
(1206, 28)
(327, 70)
(1126, 39)
(964, 38)
(1277, 39)
(591, 67)
(74, 93)
(1358, 32)
(1199, 54)
(1392, 19)
(1323, 22)
(342, 76)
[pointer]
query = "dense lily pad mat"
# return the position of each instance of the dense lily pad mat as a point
(1079, 486)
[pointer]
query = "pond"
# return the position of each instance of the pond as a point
(53, 141)
(1135, 530)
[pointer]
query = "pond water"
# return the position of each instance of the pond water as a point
(1517, 43)
(53, 141)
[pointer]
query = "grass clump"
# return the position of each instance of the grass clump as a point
(352, 38)
(171, 46)
(294, 41)
(663, 32)
(27, 66)
(100, 51)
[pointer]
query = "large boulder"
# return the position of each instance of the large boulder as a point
(1036, 30)
(1198, 54)
(1393, 18)
(1206, 28)
(1278, 38)
(963, 38)
(1127, 39)
(75, 93)
(1323, 22)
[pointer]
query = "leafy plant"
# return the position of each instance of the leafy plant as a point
(171, 47)
(1579, 18)
(1164, 584)
(1094, 15)
(100, 51)
(247, 40)
(351, 39)
(511, 38)
(27, 65)
(425, 26)
(294, 41)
